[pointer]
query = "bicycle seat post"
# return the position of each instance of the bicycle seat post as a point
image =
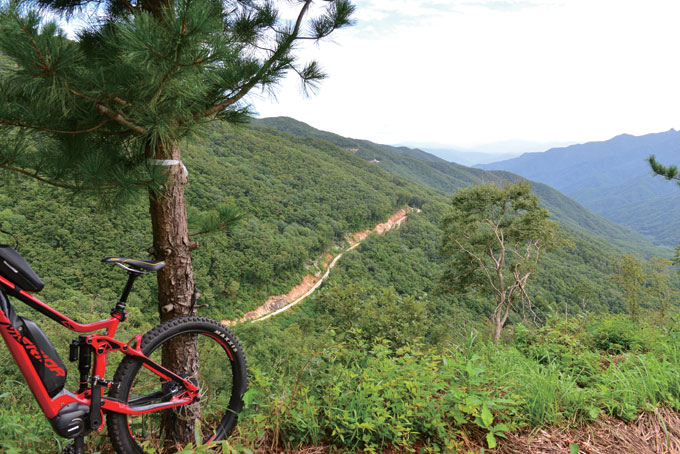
(119, 310)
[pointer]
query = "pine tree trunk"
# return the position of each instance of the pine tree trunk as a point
(171, 241)
(175, 282)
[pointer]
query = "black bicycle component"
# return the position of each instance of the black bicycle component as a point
(17, 270)
(96, 404)
(71, 421)
(76, 447)
(119, 310)
(7, 308)
(73, 350)
(16, 241)
(132, 276)
(84, 362)
(119, 313)
(43, 356)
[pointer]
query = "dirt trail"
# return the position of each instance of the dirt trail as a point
(280, 303)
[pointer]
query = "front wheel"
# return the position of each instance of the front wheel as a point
(221, 373)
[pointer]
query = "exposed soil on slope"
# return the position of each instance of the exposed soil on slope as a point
(311, 282)
(394, 221)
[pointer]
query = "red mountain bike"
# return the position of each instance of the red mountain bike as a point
(156, 395)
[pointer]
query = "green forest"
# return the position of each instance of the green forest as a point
(496, 313)
(387, 301)
(379, 358)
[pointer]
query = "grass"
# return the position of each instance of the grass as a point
(356, 395)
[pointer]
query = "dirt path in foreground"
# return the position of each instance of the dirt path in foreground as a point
(280, 303)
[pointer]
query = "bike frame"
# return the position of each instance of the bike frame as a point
(102, 344)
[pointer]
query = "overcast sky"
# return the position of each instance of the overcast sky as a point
(479, 71)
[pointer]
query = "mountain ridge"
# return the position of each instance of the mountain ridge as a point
(301, 196)
(612, 179)
(447, 178)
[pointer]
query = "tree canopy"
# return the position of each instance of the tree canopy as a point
(141, 75)
(492, 240)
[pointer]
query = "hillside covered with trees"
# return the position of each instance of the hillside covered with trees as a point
(299, 197)
(382, 315)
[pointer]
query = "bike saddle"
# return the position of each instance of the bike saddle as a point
(146, 265)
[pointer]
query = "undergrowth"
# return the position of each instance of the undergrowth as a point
(351, 394)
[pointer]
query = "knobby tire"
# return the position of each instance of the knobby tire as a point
(221, 359)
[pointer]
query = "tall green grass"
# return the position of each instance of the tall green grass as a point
(368, 396)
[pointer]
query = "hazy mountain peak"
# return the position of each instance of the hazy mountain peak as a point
(613, 179)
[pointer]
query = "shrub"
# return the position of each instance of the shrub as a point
(371, 314)
(616, 334)
(367, 396)
(560, 343)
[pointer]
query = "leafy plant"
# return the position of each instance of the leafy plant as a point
(617, 334)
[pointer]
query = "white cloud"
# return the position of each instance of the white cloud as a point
(480, 71)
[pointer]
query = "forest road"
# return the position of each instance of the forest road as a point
(281, 303)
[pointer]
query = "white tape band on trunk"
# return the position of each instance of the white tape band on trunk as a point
(171, 162)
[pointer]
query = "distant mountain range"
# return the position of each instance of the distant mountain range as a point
(483, 153)
(594, 242)
(469, 158)
(613, 179)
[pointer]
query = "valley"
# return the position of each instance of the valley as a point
(304, 193)
(311, 291)
(281, 303)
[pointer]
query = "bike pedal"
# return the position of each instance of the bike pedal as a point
(98, 381)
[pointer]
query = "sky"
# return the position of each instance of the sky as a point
(469, 72)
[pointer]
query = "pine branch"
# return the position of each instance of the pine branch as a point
(669, 173)
(44, 65)
(117, 100)
(120, 119)
(225, 217)
(54, 131)
(42, 179)
(310, 76)
(284, 46)
(75, 93)
(128, 6)
(301, 15)
(226, 226)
